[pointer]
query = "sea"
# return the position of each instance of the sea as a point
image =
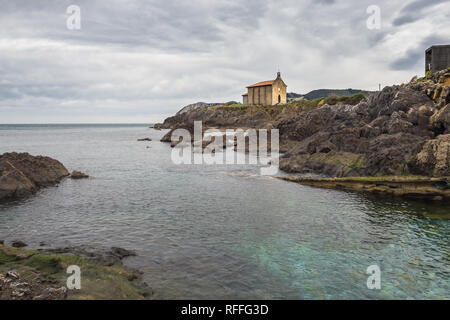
(224, 231)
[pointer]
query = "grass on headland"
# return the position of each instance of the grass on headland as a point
(302, 104)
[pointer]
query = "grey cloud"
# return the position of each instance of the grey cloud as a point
(325, 1)
(410, 59)
(414, 11)
(416, 56)
(148, 58)
(169, 24)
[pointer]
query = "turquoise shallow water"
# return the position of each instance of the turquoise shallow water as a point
(224, 231)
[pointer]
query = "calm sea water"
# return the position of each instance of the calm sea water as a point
(224, 231)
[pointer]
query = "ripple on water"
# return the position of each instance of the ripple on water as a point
(225, 232)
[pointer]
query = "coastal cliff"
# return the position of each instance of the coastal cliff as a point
(401, 130)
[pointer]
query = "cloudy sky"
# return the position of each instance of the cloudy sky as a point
(140, 61)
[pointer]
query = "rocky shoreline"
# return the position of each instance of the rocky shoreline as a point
(22, 175)
(417, 188)
(41, 274)
(403, 130)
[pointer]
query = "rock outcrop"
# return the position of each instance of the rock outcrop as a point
(42, 274)
(434, 157)
(400, 130)
(197, 105)
(78, 175)
(22, 174)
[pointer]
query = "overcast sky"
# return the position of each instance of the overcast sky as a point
(141, 61)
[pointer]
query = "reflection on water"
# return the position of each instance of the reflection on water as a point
(224, 231)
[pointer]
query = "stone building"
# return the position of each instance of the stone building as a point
(266, 93)
(437, 58)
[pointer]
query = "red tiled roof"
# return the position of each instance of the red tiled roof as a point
(262, 84)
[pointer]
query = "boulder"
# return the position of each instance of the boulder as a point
(440, 121)
(122, 253)
(22, 174)
(13, 183)
(434, 158)
(78, 175)
(18, 244)
(42, 171)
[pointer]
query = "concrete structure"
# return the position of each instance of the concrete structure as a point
(437, 58)
(266, 93)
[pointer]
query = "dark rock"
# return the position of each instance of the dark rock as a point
(167, 137)
(18, 244)
(440, 121)
(97, 256)
(78, 175)
(22, 174)
(433, 158)
(122, 253)
(42, 171)
(144, 139)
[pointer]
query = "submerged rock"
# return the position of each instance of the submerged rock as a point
(122, 253)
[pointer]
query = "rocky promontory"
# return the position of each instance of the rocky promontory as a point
(400, 130)
(22, 174)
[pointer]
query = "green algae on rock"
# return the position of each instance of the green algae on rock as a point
(41, 275)
(415, 187)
